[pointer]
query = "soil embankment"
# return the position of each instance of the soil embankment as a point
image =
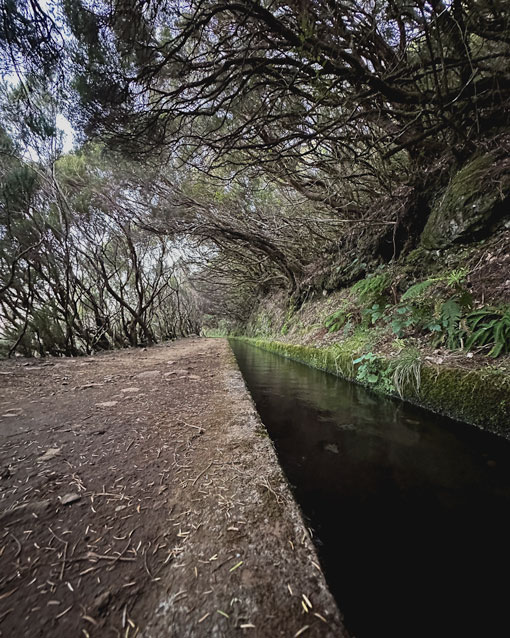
(140, 496)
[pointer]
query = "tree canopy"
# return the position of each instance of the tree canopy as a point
(226, 148)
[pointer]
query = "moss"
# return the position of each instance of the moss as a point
(453, 392)
(475, 396)
(469, 203)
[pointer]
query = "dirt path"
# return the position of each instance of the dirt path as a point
(139, 496)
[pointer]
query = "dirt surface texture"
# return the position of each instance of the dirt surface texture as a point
(141, 496)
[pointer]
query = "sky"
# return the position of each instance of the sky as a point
(64, 125)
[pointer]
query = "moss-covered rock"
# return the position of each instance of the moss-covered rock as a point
(475, 197)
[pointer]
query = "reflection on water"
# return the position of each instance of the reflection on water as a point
(410, 510)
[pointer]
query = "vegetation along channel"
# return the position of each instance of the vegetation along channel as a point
(410, 511)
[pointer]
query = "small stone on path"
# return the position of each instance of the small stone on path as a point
(51, 453)
(106, 404)
(149, 374)
(130, 390)
(69, 498)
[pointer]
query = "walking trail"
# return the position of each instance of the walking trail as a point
(141, 496)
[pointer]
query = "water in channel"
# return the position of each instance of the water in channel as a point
(410, 511)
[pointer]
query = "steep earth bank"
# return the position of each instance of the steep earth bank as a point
(433, 328)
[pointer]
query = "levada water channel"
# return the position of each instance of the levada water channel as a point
(410, 511)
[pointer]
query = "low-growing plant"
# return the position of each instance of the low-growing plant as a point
(340, 317)
(456, 278)
(399, 344)
(417, 290)
(489, 327)
(372, 290)
(450, 318)
(374, 371)
(336, 320)
(373, 314)
(407, 370)
(403, 319)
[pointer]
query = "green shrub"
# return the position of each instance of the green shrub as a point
(451, 313)
(456, 278)
(438, 310)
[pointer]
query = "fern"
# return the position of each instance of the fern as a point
(336, 320)
(418, 289)
(372, 289)
(451, 314)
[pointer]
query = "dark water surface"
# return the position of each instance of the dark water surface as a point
(411, 511)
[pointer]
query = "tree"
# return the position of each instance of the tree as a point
(349, 103)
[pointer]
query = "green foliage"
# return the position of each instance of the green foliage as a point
(211, 327)
(440, 305)
(367, 370)
(456, 278)
(490, 327)
(374, 371)
(453, 279)
(399, 344)
(18, 187)
(339, 318)
(335, 321)
(372, 290)
(359, 341)
(262, 324)
(417, 290)
(451, 314)
(430, 306)
(451, 318)
(373, 314)
(407, 371)
(403, 320)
